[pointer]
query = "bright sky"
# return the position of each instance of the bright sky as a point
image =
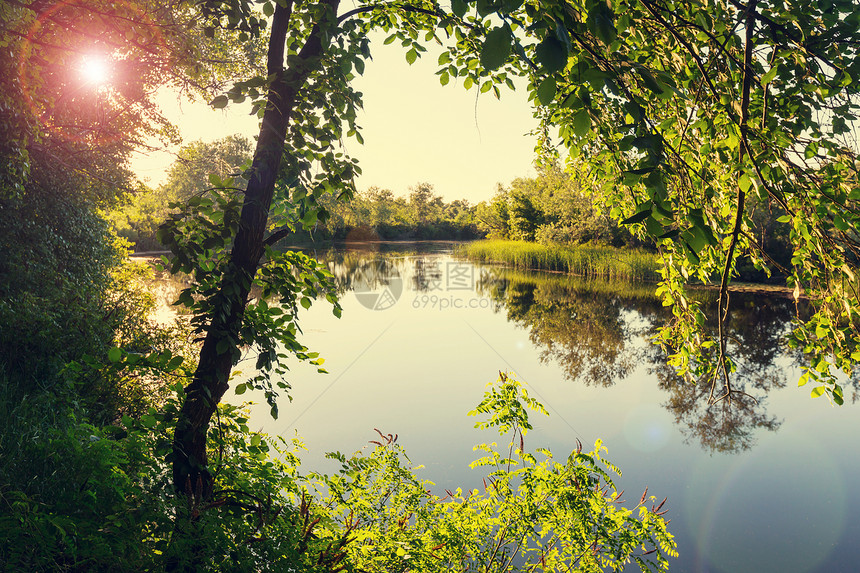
(415, 130)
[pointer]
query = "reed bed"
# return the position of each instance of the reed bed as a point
(586, 261)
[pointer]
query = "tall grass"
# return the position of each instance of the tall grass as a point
(604, 262)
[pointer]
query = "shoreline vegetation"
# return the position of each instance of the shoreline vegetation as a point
(596, 262)
(585, 261)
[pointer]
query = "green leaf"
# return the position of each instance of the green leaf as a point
(649, 80)
(411, 56)
(509, 6)
(114, 354)
(581, 123)
(310, 218)
(639, 216)
(768, 77)
(459, 8)
(268, 9)
(695, 239)
(240, 388)
(496, 48)
(546, 91)
(817, 391)
(219, 102)
(305, 302)
(572, 101)
(692, 257)
(654, 228)
(601, 23)
(487, 7)
(840, 223)
(551, 54)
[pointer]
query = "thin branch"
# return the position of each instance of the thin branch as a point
(276, 236)
(405, 7)
(774, 26)
(723, 303)
(699, 64)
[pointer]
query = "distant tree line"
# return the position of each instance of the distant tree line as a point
(564, 206)
(555, 207)
(372, 214)
(377, 213)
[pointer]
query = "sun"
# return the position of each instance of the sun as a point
(94, 70)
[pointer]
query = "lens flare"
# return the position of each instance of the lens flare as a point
(95, 70)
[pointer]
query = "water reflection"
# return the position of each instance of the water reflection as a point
(598, 333)
(415, 369)
(583, 326)
(756, 326)
(427, 274)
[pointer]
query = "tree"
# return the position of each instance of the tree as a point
(423, 204)
(686, 111)
(682, 116)
(525, 216)
(144, 211)
(307, 107)
(65, 139)
(494, 217)
(189, 174)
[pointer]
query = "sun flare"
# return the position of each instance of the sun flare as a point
(95, 70)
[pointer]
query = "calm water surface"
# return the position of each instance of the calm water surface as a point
(751, 487)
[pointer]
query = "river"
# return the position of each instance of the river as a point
(751, 486)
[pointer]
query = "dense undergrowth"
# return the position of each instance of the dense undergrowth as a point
(80, 497)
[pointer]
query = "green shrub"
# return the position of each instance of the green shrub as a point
(75, 497)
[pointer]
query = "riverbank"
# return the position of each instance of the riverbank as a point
(603, 262)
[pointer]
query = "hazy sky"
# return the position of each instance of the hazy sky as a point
(415, 130)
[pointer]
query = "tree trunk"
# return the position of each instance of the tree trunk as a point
(210, 382)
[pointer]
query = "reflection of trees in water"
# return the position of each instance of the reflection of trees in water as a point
(728, 425)
(597, 332)
(355, 268)
(426, 274)
(371, 269)
(579, 325)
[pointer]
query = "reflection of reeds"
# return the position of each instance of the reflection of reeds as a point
(605, 262)
(561, 285)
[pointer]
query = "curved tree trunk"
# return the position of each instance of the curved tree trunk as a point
(210, 382)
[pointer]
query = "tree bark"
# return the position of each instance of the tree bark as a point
(210, 381)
